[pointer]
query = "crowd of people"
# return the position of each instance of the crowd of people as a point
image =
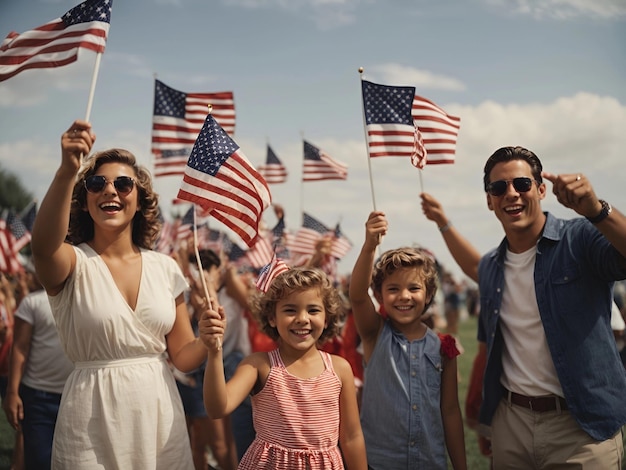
(117, 356)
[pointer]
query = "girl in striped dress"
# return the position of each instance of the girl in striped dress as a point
(303, 400)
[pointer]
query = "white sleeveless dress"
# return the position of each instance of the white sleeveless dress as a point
(120, 407)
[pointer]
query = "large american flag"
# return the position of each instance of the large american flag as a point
(318, 165)
(401, 124)
(56, 43)
(178, 118)
(220, 179)
(273, 171)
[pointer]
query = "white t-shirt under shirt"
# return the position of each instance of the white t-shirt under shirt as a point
(47, 367)
(527, 365)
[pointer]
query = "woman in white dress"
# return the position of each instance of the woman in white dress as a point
(119, 309)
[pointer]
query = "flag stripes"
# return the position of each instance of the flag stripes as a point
(57, 42)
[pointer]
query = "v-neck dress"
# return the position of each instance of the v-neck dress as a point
(120, 407)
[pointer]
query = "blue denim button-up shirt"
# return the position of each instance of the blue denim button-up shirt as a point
(574, 274)
(400, 410)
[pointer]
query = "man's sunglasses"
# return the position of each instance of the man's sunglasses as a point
(122, 184)
(498, 188)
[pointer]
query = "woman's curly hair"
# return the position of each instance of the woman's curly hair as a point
(146, 223)
(263, 305)
(406, 257)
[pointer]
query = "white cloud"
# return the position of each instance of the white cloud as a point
(565, 9)
(402, 75)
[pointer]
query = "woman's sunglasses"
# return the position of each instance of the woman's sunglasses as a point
(122, 184)
(498, 188)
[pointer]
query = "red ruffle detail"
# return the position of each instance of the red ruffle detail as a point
(448, 346)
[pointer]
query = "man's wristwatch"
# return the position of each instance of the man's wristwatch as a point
(604, 213)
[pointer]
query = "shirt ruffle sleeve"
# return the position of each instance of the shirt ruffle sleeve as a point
(448, 346)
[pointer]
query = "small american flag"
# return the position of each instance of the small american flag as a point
(9, 262)
(185, 228)
(391, 131)
(260, 254)
(439, 130)
(312, 231)
(56, 43)
(20, 233)
(178, 118)
(341, 244)
(269, 272)
(304, 240)
(318, 165)
(401, 124)
(220, 179)
(273, 171)
(280, 239)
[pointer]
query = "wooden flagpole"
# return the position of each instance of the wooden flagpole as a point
(367, 152)
(369, 160)
(92, 90)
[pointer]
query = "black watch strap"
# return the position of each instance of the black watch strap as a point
(604, 213)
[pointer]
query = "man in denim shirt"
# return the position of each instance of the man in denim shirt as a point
(553, 324)
(554, 389)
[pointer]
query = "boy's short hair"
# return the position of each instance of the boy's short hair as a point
(406, 257)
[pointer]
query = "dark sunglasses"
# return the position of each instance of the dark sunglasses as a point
(498, 188)
(122, 184)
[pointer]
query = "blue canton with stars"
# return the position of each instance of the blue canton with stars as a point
(212, 148)
(91, 10)
(387, 104)
(311, 152)
(168, 102)
(314, 224)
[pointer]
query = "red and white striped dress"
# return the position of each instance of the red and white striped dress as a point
(296, 420)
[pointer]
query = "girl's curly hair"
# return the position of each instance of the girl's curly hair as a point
(406, 257)
(146, 223)
(263, 305)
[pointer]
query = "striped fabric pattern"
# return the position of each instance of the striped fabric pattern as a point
(297, 420)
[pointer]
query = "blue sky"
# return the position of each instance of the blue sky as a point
(549, 75)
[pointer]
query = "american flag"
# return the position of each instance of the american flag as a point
(341, 244)
(220, 179)
(269, 272)
(20, 233)
(280, 239)
(438, 129)
(304, 240)
(165, 241)
(185, 228)
(9, 263)
(56, 43)
(178, 118)
(28, 215)
(389, 124)
(210, 239)
(401, 124)
(260, 254)
(318, 165)
(273, 171)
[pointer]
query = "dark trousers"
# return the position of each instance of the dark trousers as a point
(40, 417)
